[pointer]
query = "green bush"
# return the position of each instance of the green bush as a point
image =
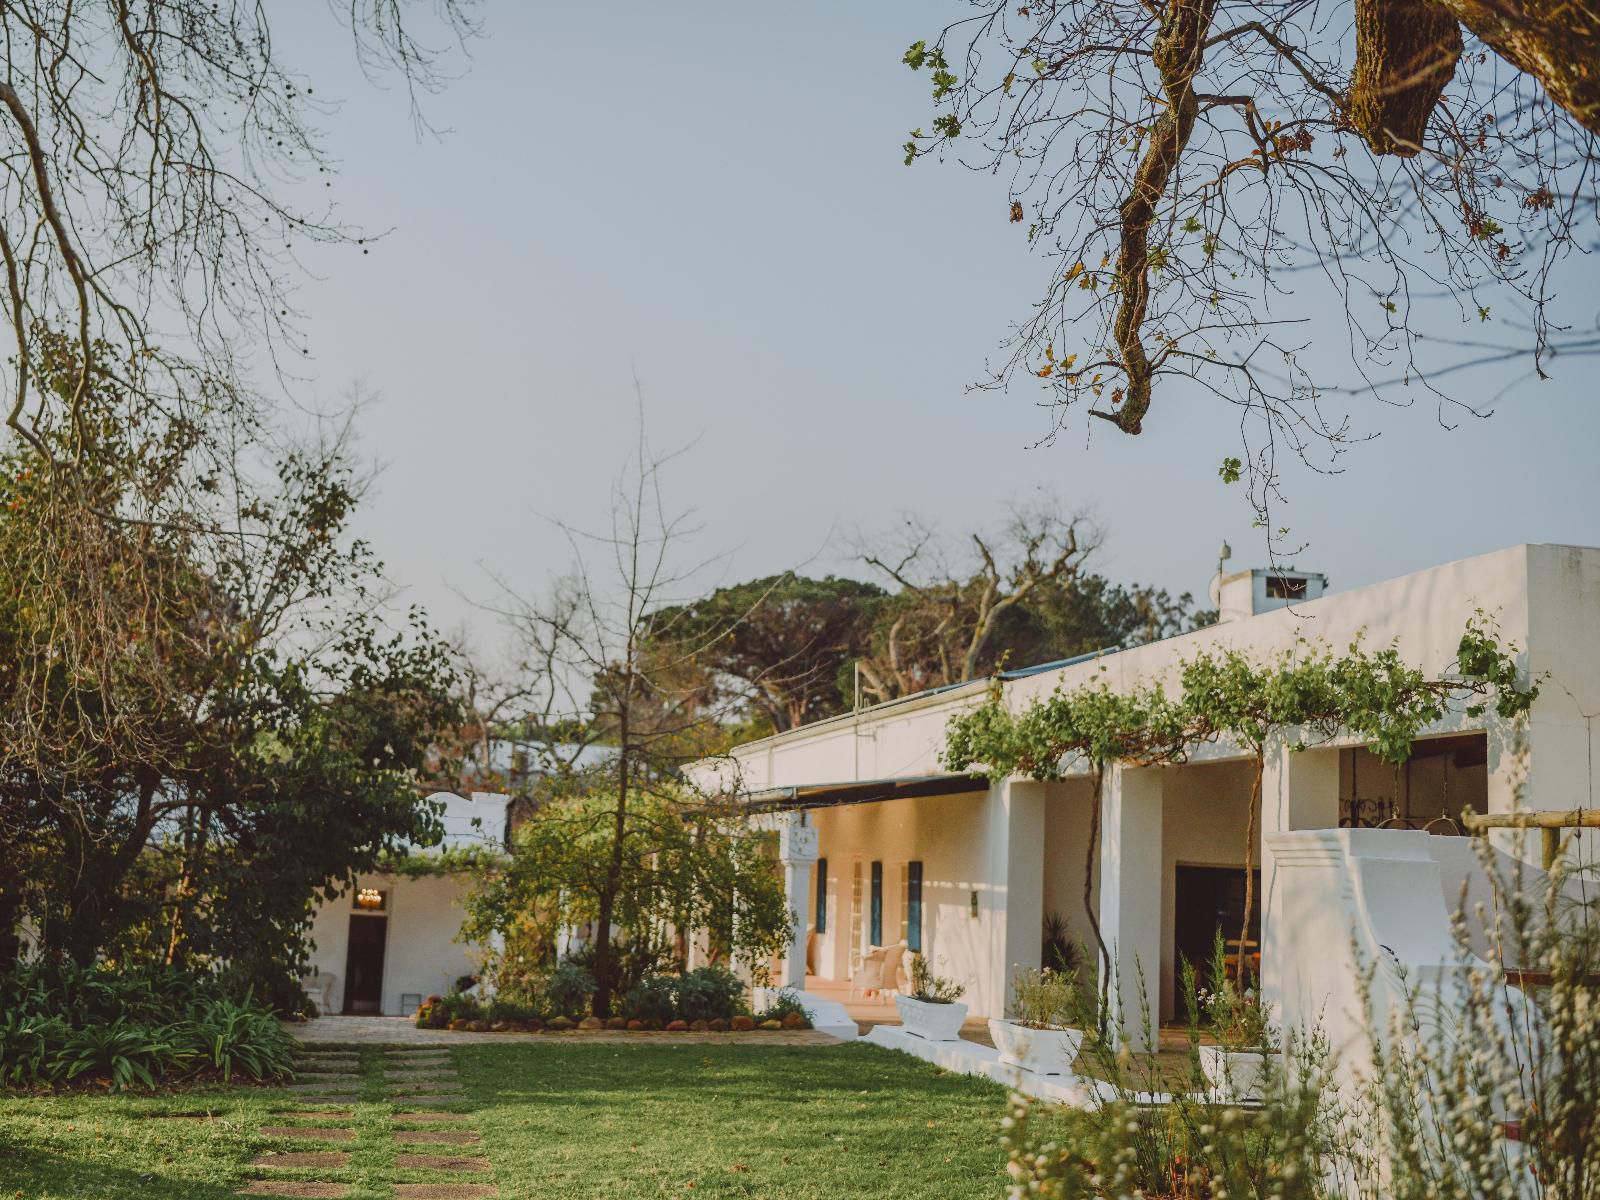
(512, 1007)
(707, 993)
(568, 989)
(653, 998)
(784, 1004)
(62, 1024)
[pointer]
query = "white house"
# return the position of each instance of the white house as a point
(389, 940)
(884, 844)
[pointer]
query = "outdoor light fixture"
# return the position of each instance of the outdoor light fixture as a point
(370, 898)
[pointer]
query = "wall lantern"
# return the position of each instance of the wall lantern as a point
(370, 898)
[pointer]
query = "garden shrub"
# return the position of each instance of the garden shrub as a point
(707, 993)
(568, 989)
(782, 1005)
(61, 1023)
(653, 998)
(512, 1007)
(1459, 1094)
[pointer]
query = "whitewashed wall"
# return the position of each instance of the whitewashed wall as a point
(421, 954)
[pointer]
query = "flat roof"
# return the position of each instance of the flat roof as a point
(861, 791)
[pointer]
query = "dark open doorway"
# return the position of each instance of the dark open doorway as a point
(1210, 899)
(363, 971)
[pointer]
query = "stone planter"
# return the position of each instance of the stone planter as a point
(1235, 1074)
(1042, 1051)
(934, 1022)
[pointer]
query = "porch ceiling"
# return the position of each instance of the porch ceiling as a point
(862, 791)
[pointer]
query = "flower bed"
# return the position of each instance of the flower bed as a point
(707, 1000)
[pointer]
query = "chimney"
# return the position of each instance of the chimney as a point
(1249, 593)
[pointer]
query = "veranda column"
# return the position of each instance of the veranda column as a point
(797, 851)
(1016, 890)
(1131, 879)
(1299, 790)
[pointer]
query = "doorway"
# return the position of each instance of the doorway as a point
(363, 970)
(1210, 900)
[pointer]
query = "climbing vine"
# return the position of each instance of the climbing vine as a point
(1306, 695)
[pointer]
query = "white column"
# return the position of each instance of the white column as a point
(1131, 884)
(1015, 889)
(797, 851)
(1299, 790)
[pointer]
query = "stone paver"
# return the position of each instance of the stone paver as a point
(442, 1071)
(294, 1187)
(320, 1114)
(418, 1087)
(316, 1133)
(339, 1099)
(430, 1118)
(443, 1191)
(441, 1162)
(331, 1083)
(438, 1137)
(403, 1030)
(302, 1158)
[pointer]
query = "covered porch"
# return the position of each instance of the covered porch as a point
(985, 879)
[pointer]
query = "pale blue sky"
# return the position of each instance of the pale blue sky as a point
(712, 194)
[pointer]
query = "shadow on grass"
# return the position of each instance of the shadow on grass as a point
(31, 1171)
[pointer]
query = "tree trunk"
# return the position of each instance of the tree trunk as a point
(1178, 53)
(1249, 860)
(604, 959)
(1092, 854)
(1406, 52)
(1555, 41)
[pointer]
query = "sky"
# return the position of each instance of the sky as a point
(710, 198)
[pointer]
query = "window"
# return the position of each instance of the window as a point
(913, 923)
(821, 923)
(1285, 587)
(875, 937)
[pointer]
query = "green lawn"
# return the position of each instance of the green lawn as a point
(565, 1120)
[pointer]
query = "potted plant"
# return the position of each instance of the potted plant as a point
(1238, 1064)
(932, 1010)
(1038, 1037)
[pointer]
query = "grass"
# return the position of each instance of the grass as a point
(564, 1120)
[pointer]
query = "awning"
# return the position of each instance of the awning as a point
(861, 791)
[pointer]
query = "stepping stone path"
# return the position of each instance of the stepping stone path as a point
(420, 1081)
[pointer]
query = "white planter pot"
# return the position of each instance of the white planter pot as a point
(1042, 1051)
(935, 1022)
(1235, 1074)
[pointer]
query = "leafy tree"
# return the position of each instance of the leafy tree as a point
(938, 627)
(1019, 598)
(611, 659)
(780, 645)
(1187, 164)
(1087, 613)
(684, 867)
(201, 723)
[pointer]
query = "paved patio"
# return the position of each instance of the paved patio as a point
(870, 1011)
